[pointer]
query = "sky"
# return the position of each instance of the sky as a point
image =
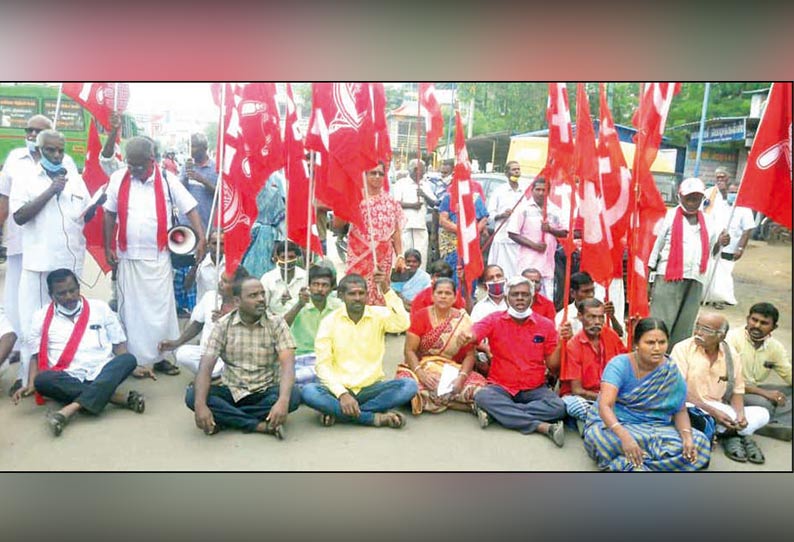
(191, 100)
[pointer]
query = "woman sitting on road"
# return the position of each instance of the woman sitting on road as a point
(640, 420)
(437, 339)
(414, 279)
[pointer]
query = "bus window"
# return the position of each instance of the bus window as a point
(70, 115)
(16, 110)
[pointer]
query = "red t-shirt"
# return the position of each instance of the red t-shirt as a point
(544, 307)
(425, 299)
(582, 363)
(519, 350)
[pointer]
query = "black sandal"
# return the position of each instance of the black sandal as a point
(166, 367)
(136, 402)
(734, 449)
(753, 451)
(56, 421)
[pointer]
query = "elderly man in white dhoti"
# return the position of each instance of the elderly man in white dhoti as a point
(142, 199)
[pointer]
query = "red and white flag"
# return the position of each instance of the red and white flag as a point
(560, 155)
(649, 119)
(299, 209)
(95, 179)
(462, 202)
(434, 121)
(615, 178)
(766, 184)
(260, 128)
(595, 236)
(99, 98)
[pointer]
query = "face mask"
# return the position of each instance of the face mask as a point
(286, 264)
(496, 288)
(731, 198)
(514, 179)
(50, 167)
(31, 145)
(69, 313)
(520, 315)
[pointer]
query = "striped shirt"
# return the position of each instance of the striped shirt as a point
(250, 353)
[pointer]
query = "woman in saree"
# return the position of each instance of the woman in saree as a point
(384, 218)
(438, 337)
(640, 420)
(416, 278)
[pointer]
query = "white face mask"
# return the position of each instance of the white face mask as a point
(69, 313)
(519, 315)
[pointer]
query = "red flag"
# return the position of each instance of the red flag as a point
(595, 243)
(95, 179)
(434, 121)
(299, 198)
(342, 131)
(648, 209)
(766, 184)
(462, 195)
(560, 156)
(615, 184)
(98, 98)
(260, 129)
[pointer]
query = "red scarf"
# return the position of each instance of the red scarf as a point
(159, 203)
(71, 345)
(675, 262)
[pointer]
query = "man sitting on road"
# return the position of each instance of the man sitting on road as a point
(257, 390)
(583, 287)
(350, 345)
(283, 283)
(81, 354)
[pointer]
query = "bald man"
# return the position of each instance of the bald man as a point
(715, 384)
(199, 176)
(144, 197)
(19, 166)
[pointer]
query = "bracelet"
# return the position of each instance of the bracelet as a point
(685, 430)
(614, 425)
(463, 373)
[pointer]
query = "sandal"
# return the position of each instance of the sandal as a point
(753, 451)
(734, 449)
(166, 367)
(483, 417)
(136, 402)
(56, 421)
(327, 420)
(392, 418)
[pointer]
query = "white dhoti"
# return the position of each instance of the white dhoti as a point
(189, 356)
(147, 307)
(416, 238)
(504, 253)
(756, 416)
(33, 295)
(11, 293)
(721, 290)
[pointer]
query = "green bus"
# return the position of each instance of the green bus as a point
(19, 102)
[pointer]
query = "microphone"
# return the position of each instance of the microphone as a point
(58, 173)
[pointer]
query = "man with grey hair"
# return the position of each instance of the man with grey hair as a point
(523, 348)
(414, 193)
(51, 206)
(142, 198)
(20, 165)
(504, 250)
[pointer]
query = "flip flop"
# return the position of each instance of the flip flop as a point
(483, 417)
(56, 422)
(136, 402)
(166, 367)
(391, 418)
(734, 449)
(327, 420)
(753, 451)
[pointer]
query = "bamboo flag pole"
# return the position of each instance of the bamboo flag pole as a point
(309, 215)
(219, 188)
(369, 222)
(57, 106)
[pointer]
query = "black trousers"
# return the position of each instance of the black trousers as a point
(92, 396)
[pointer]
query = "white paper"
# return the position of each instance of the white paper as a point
(448, 376)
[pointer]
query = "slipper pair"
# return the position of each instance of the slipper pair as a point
(136, 402)
(166, 367)
(743, 449)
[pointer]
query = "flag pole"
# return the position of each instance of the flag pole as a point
(116, 96)
(702, 127)
(57, 106)
(309, 215)
(219, 189)
(369, 222)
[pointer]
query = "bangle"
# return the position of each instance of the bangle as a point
(463, 373)
(685, 430)
(613, 426)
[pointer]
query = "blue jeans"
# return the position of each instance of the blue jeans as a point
(246, 413)
(523, 411)
(378, 397)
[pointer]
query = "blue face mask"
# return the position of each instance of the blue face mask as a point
(731, 198)
(50, 167)
(31, 145)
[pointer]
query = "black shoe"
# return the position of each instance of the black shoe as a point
(13, 389)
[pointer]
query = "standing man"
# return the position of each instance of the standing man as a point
(81, 354)
(142, 199)
(680, 260)
(504, 250)
(199, 176)
(739, 223)
(20, 166)
(414, 194)
(523, 348)
(257, 390)
(51, 206)
(537, 239)
(760, 353)
(350, 346)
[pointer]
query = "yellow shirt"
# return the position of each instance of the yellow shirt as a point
(350, 355)
(771, 351)
(704, 381)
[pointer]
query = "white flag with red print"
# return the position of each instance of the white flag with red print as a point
(462, 202)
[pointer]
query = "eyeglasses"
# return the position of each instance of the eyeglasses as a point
(52, 150)
(33, 130)
(137, 169)
(376, 173)
(706, 330)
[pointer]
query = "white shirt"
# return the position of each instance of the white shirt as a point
(742, 221)
(207, 276)
(18, 165)
(274, 285)
(503, 199)
(573, 318)
(202, 313)
(486, 306)
(54, 237)
(692, 247)
(405, 191)
(96, 348)
(142, 212)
